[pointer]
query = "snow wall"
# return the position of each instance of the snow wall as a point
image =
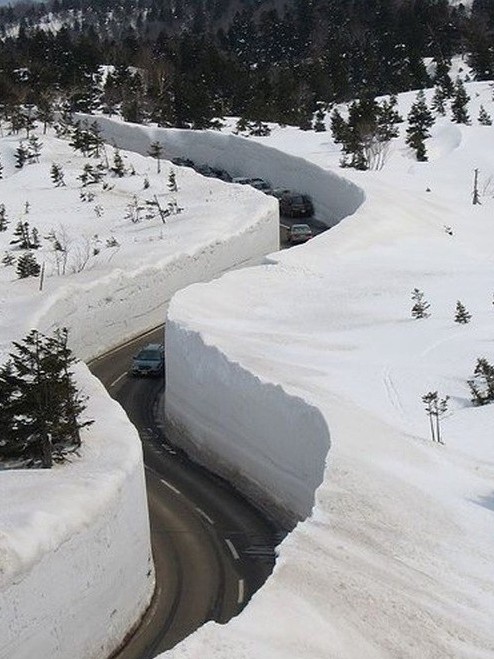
(334, 197)
(76, 575)
(76, 570)
(241, 427)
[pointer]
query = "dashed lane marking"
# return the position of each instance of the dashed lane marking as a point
(241, 591)
(118, 379)
(203, 514)
(172, 487)
(232, 549)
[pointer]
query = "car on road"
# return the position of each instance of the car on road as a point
(261, 184)
(296, 205)
(280, 192)
(150, 360)
(241, 180)
(299, 233)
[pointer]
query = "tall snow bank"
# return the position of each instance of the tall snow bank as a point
(241, 426)
(76, 571)
(75, 565)
(396, 558)
(334, 197)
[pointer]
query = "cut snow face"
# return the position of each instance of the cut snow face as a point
(395, 560)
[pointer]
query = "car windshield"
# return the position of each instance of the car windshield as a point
(297, 200)
(300, 228)
(149, 355)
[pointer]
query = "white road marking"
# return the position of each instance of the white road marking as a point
(203, 514)
(231, 547)
(241, 591)
(118, 379)
(172, 487)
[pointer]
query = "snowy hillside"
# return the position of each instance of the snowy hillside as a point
(396, 558)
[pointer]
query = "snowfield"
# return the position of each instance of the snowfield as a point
(76, 570)
(395, 557)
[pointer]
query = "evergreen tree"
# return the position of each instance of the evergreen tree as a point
(21, 156)
(57, 175)
(172, 181)
(40, 406)
(484, 117)
(459, 104)
(8, 259)
(22, 236)
(156, 152)
(438, 101)
(420, 120)
(482, 383)
(339, 127)
(4, 222)
(462, 316)
(319, 125)
(27, 266)
(118, 167)
(1, 169)
(420, 306)
(91, 174)
(33, 149)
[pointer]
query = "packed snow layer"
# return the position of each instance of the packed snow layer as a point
(227, 428)
(76, 568)
(334, 196)
(395, 559)
(76, 571)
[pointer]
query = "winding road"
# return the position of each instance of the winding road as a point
(212, 549)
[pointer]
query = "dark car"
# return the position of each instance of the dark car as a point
(299, 233)
(296, 205)
(150, 360)
(261, 184)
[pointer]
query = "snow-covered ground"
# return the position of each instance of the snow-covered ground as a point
(395, 559)
(75, 563)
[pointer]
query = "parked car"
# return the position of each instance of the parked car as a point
(299, 233)
(280, 192)
(241, 180)
(150, 360)
(296, 205)
(261, 184)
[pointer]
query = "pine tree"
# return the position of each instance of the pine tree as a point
(484, 117)
(40, 405)
(22, 236)
(21, 156)
(27, 266)
(435, 409)
(57, 175)
(33, 149)
(8, 259)
(482, 384)
(459, 104)
(4, 222)
(118, 167)
(156, 152)
(438, 101)
(420, 119)
(172, 181)
(420, 306)
(319, 125)
(339, 127)
(1, 169)
(462, 316)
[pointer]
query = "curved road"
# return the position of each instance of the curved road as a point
(212, 549)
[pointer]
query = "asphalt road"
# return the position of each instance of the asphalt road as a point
(316, 225)
(212, 549)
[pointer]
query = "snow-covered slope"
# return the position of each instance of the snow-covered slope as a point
(75, 565)
(395, 559)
